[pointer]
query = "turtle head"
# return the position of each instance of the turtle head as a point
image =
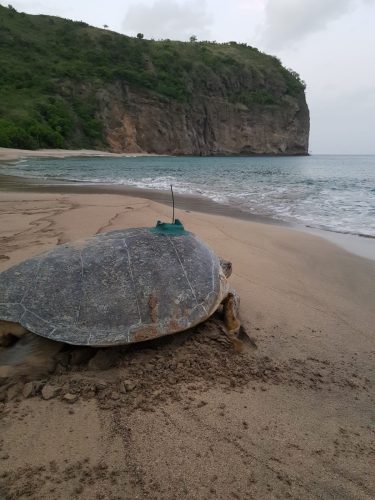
(226, 266)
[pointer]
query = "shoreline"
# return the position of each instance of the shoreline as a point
(14, 154)
(11, 154)
(360, 245)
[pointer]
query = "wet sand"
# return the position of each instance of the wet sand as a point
(359, 245)
(189, 417)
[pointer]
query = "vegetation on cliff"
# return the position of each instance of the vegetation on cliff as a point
(52, 70)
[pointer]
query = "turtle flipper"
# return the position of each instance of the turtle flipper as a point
(28, 354)
(8, 328)
(231, 306)
(244, 336)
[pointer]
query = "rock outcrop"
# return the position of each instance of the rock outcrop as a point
(208, 125)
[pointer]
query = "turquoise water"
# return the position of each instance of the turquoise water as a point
(330, 192)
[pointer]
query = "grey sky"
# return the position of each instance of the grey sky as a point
(179, 20)
(329, 42)
(290, 21)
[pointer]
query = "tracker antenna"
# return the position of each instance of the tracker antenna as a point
(173, 219)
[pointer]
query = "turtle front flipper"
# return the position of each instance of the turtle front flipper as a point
(231, 306)
(234, 330)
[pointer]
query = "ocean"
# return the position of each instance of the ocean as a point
(330, 192)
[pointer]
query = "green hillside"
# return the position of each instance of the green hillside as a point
(53, 68)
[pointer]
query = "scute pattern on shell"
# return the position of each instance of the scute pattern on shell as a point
(114, 288)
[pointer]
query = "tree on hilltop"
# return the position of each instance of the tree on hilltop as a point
(11, 9)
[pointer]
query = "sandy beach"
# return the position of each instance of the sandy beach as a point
(189, 417)
(15, 154)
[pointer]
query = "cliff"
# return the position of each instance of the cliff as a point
(66, 84)
(208, 125)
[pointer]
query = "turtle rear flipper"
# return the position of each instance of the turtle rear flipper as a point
(30, 354)
(8, 329)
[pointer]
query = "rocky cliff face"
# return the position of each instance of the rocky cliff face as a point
(207, 125)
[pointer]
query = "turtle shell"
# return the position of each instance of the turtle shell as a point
(115, 288)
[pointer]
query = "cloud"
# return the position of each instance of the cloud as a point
(250, 4)
(288, 21)
(40, 7)
(168, 19)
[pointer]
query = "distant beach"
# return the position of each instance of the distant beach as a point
(15, 154)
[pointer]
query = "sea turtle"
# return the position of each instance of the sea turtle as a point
(119, 287)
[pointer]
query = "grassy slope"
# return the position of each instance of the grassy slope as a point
(52, 67)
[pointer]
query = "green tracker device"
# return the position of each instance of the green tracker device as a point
(175, 228)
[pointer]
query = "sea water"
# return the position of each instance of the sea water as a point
(330, 192)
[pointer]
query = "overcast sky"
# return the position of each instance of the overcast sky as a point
(330, 43)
